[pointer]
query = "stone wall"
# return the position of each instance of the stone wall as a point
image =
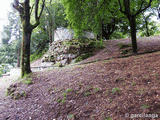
(65, 51)
(65, 48)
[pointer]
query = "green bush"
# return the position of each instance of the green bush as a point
(83, 56)
(115, 90)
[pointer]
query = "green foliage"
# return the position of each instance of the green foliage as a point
(122, 46)
(99, 44)
(108, 118)
(63, 99)
(133, 83)
(145, 106)
(1, 70)
(37, 55)
(96, 90)
(147, 26)
(87, 93)
(70, 117)
(69, 90)
(115, 90)
(11, 38)
(83, 56)
(90, 15)
(118, 34)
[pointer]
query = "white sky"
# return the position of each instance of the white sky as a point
(5, 6)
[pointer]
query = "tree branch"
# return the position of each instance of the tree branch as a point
(121, 7)
(37, 18)
(141, 10)
(32, 9)
(42, 9)
(36, 9)
(16, 5)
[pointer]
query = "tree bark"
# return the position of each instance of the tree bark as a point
(25, 55)
(25, 13)
(147, 29)
(132, 21)
(18, 56)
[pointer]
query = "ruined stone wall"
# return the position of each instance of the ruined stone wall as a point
(66, 51)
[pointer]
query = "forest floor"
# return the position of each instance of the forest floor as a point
(104, 87)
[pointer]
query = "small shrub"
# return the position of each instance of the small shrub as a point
(83, 56)
(64, 94)
(64, 100)
(133, 83)
(123, 52)
(96, 90)
(122, 46)
(115, 90)
(88, 93)
(145, 106)
(99, 44)
(70, 117)
(59, 100)
(108, 118)
(69, 90)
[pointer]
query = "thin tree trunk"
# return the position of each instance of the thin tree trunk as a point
(18, 56)
(132, 21)
(147, 29)
(50, 34)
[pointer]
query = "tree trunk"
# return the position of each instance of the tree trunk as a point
(106, 36)
(147, 29)
(50, 34)
(132, 21)
(25, 13)
(25, 55)
(18, 56)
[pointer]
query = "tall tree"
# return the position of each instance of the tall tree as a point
(131, 9)
(25, 12)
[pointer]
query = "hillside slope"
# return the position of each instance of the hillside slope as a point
(108, 89)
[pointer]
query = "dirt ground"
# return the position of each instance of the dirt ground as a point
(116, 89)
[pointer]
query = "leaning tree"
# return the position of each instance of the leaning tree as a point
(131, 9)
(25, 12)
